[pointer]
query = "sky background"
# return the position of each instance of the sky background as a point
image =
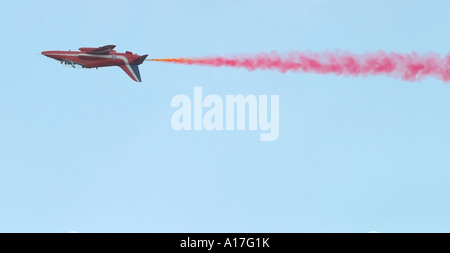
(93, 151)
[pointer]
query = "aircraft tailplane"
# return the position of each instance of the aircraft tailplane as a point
(139, 60)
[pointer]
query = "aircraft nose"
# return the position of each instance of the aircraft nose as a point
(47, 53)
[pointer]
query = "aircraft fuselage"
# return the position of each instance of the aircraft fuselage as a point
(100, 57)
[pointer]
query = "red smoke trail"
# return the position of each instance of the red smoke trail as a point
(409, 66)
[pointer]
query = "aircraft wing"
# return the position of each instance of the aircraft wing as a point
(99, 50)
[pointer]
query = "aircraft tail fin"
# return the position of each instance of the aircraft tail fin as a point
(132, 71)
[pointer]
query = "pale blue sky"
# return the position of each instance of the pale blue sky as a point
(92, 151)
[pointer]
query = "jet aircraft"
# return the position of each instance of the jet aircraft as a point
(106, 56)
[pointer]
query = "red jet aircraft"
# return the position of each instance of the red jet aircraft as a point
(105, 56)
